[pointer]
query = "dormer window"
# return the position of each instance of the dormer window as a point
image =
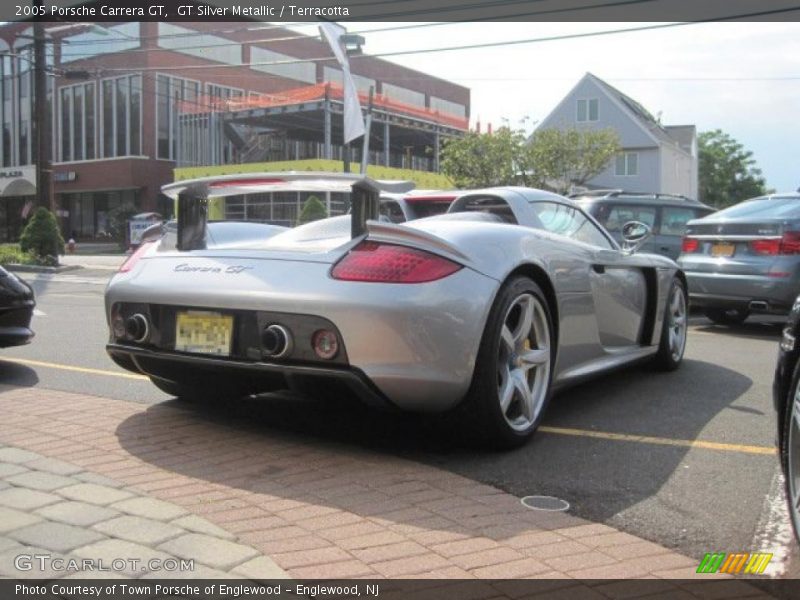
(587, 110)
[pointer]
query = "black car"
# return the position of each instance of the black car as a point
(16, 310)
(786, 396)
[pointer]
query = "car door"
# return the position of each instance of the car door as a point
(619, 289)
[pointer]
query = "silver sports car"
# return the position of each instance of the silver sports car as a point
(486, 309)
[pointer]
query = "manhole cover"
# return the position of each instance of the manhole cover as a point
(545, 503)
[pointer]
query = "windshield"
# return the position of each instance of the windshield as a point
(787, 206)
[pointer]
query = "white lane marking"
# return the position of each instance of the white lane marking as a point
(774, 531)
(69, 279)
(39, 313)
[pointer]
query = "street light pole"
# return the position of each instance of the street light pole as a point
(44, 166)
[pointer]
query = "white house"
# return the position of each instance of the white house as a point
(654, 158)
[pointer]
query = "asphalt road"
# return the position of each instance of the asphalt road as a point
(676, 488)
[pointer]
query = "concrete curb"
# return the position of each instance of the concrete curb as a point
(41, 269)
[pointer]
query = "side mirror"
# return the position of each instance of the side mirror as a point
(634, 235)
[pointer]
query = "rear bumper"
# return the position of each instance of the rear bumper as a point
(15, 325)
(414, 344)
(717, 290)
(264, 377)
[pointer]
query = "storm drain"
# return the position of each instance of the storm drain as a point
(550, 503)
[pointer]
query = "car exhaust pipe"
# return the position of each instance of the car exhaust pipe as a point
(276, 341)
(758, 306)
(137, 328)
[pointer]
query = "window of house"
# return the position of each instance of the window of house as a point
(223, 92)
(627, 164)
(122, 116)
(299, 71)
(199, 44)
(173, 95)
(76, 124)
(588, 110)
(216, 97)
(7, 106)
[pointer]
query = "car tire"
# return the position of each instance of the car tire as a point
(511, 383)
(673, 331)
(189, 393)
(790, 450)
(729, 316)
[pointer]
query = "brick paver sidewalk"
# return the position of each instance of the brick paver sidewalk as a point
(172, 481)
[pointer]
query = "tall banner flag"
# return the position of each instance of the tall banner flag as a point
(353, 119)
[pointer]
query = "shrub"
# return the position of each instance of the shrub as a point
(42, 238)
(12, 254)
(118, 223)
(313, 210)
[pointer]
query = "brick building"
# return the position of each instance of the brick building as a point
(131, 101)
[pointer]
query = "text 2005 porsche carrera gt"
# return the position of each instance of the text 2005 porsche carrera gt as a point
(489, 308)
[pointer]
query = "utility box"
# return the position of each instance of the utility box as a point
(140, 223)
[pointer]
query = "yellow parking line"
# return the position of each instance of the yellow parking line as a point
(49, 365)
(646, 439)
(603, 435)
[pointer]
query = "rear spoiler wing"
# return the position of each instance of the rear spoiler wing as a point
(192, 196)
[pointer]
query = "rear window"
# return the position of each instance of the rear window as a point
(787, 206)
(674, 219)
(428, 208)
(489, 204)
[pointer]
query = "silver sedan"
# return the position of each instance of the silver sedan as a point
(744, 259)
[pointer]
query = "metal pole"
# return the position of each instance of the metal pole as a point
(436, 147)
(386, 145)
(44, 167)
(367, 126)
(327, 148)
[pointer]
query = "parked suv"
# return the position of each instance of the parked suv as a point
(666, 214)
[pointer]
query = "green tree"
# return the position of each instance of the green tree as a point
(485, 159)
(561, 158)
(551, 159)
(313, 210)
(727, 172)
(42, 237)
(118, 226)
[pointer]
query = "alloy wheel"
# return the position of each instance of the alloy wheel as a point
(677, 322)
(523, 362)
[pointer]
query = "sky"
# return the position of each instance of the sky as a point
(742, 78)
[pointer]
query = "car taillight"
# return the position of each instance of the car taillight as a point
(131, 261)
(387, 263)
(789, 243)
(689, 245)
(766, 247)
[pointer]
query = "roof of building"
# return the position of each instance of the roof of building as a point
(639, 112)
(685, 135)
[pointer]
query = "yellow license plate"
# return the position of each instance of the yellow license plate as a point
(722, 250)
(204, 333)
